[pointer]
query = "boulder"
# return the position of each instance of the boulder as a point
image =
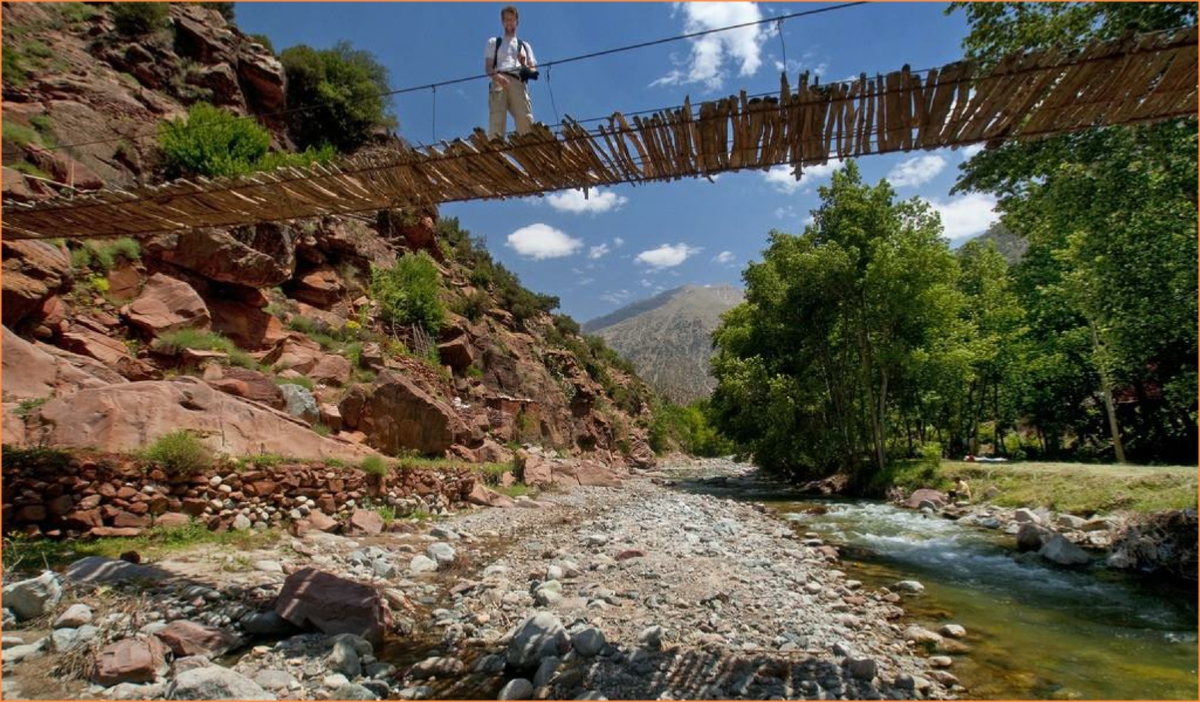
(480, 495)
(538, 636)
(588, 642)
(186, 638)
(457, 353)
(109, 351)
(491, 452)
(320, 287)
(125, 417)
(441, 552)
(130, 660)
(364, 522)
(333, 605)
(166, 305)
(332, 369)
(300, 402)
(29, 599)
(1032, 536)
(1063, 552)
(215, 683)
(296, 352)
(249, 326)
(925, 495)
(262, 79)
(1023, 516)
(77, 615)
(536, 470)
(32, 272)
(396, 416)
(250, 384)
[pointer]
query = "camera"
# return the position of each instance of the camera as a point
(528, 74)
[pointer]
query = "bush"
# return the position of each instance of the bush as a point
(374, 465)
(213, 142)
(473, 306)
(179, 453)
(105, 255)
(335, 96)
(138, 18)
(408, 292)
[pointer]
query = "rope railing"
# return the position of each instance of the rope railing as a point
(1133, 80)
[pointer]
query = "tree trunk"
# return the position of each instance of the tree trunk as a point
(1109, 408)
(881, 422)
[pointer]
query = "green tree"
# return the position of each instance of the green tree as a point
(335, 96)
(138, 18)
(1110, 278)
(837, 323)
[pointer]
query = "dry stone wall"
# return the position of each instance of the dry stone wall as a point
(46, 495)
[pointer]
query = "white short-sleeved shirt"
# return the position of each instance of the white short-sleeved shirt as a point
(507, 59)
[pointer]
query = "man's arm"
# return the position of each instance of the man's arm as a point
(489, 66)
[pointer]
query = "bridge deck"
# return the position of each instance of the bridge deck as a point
(1142, 78)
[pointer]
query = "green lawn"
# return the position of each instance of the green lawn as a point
(1078, 488)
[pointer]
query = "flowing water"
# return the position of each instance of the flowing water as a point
(1036, 631)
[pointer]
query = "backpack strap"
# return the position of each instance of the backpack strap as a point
(496, 54)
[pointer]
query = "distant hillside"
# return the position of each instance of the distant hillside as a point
(1011, 246)
(669, 337)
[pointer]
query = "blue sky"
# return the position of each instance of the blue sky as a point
(628, 243)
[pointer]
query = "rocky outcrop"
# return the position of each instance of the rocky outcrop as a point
(129, 416)
(36, 371)
(33, 271)
(396, 415)
(256, 256)
(166, 305)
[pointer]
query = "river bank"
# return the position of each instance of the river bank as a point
(639, 592)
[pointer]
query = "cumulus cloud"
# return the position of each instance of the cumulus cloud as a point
(598, 251)
(915, 171)
(541, 241)
(597, 201)
(618, 242)
(781, 179)
(724, 258)
(966, 216)
(710, 54)
(666, 256)
(970, 150)
(785, 212)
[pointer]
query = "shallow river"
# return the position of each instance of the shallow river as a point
(1036, 631)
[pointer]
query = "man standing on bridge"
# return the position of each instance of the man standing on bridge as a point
(509, 61)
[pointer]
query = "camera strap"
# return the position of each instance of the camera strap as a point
(496, 54)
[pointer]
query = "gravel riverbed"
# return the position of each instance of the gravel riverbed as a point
(637, 592)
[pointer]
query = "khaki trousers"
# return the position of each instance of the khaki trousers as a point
(514, 99)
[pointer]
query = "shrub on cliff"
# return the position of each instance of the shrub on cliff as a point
(179, 453)
(138, 18)
(213, 142)
(407, 293)
(335, 96)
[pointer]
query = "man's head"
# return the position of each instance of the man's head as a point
(508, 18)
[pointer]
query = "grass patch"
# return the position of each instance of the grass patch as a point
(374, 465)
(175, 342)
(1078, 488)
(29, 169)
(37, 553)
(263, 460)
(515, 490)
(18, 134)
(28, 407)
(104, 255)
(303, 382)
(321, 429)
(179, 453)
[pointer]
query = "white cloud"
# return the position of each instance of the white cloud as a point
(707, 62)
(724, 258)
(666, 256)
(586, 281)
(970, 150)
(598, 251)
(915, 171)
(646, 283)
(810, 220)
(618, 242)
(785, 212)
(781, 179)
(615, 297)
(598, 200)
(966, 216)
(541, 241)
